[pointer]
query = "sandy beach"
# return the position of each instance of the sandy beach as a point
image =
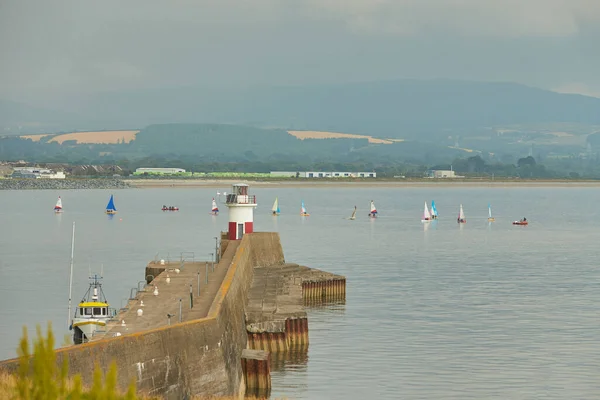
(329, 184)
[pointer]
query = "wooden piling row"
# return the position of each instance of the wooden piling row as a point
(267, 341)
(257, 372)
(296, 333)
(324, 290)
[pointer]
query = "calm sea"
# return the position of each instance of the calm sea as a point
(441, 310)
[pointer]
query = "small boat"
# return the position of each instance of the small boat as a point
(170, 208)
(214, 210)
(521, 222)
(434, 213)
(373, 212)
(58, 207)
(275, 209)
(461, 216)
(490, 218)
(110, 207)
(92, 313)
(426, 214)
(303, 211)
(353, 216)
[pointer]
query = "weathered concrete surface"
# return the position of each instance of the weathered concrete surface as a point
(275, 316)
(201, 356)
(172, 283)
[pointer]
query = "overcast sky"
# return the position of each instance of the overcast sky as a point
(60, 46)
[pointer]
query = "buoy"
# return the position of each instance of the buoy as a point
(168, 280)
(155, 290)
(140, 312)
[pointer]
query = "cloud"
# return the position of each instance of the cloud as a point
(577, 88)
(505, 18)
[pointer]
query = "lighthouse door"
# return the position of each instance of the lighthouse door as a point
(240, 231)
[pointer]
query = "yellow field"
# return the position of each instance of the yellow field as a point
(104, 137)
(35, 138)
(336, 135)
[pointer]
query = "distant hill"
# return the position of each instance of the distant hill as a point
(413, 109)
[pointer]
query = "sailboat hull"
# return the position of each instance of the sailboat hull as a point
(110, 212)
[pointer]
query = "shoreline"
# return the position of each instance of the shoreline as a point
(312, 183)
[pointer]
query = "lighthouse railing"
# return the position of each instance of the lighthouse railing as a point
(240, 199)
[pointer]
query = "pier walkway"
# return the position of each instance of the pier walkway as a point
(156, 308)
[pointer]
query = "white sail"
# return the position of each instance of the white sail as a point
(461, 213)
(275, 205)
(58, 205)
(490, 211)
(373, 209)
(353, 213)
(426, 213)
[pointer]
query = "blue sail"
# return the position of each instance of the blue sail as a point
(433, 209)
(111, 204)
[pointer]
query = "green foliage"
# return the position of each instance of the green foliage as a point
(39, 378)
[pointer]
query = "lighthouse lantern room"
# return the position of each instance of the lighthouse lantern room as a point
(241, 211)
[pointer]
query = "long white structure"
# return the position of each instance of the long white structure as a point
(160, 170)
(323, 174)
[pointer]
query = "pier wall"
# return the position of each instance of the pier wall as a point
(199, 356)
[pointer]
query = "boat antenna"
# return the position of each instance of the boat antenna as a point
(71, 272)
(102, 270)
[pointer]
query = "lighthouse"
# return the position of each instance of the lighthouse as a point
(241, 211)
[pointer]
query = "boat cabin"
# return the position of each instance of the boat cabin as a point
(93, 310)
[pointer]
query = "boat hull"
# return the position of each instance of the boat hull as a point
(520, 223)
(304, 214)
(491, 219)
(110, 212)
(87, 327)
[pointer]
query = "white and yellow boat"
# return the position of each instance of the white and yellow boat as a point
(92, 313)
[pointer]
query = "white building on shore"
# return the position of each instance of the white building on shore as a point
(37, 173)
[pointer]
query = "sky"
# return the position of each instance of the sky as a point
(79, 46)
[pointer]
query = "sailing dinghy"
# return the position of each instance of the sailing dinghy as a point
(58, 207)
(426, 214)
(461, 216)
(110, 207)
(353, 216)
(434, 213)
(303, 211)
(214, 210)
(373, 212)
(490, 218)
(275, 208)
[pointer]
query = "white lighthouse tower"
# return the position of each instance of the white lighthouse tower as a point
(241, 211)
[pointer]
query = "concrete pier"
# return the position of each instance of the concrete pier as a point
(275, 316)
(251, 309)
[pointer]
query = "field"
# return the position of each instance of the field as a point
(105, 137)
(35, 138)
(336, 135)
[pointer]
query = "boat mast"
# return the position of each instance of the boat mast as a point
(71, 273)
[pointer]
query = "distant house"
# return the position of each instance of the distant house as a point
(323, 174)
(440, 173)
(37, 173)
(159, 171)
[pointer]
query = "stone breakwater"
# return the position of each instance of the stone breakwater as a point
(62, 184)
